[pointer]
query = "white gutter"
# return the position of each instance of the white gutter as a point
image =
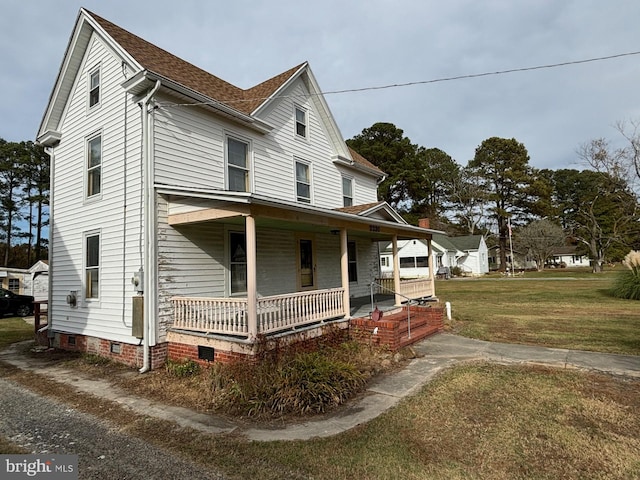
(149, 228)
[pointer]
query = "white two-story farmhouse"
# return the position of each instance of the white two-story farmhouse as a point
(190, 215)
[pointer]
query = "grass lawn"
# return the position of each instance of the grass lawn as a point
(14, 330)
(561, 309)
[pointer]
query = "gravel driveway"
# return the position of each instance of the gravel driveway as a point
(41, 425)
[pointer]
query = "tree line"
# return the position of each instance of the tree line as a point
(24, 200)
(595, 208)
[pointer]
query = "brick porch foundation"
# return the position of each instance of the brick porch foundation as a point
(395, 331)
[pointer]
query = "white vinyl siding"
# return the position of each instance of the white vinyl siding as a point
(116, 215)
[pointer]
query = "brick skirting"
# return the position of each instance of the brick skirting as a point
(395, 330)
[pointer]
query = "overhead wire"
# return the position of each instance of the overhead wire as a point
(409, 84)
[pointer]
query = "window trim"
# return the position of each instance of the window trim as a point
(98, 87)
(228, 165)
(305, 124)
(344, 196)
(88, 169)
(308, 164)
(85, 267)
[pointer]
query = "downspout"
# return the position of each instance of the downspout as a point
(52, 163)
(149, 238)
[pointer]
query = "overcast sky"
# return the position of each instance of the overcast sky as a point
(356, 44)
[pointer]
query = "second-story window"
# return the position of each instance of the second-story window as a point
(301, 122)
(237, 165)
(94, 166)
(347, 192)
(94, 87)
(303, 182)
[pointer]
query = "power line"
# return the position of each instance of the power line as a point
(420, 82)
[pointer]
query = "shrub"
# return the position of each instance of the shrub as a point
(627, 284)
(293, 383)
(182, 369)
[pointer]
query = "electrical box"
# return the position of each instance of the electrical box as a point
(137, 324)
(138, 281)
(72, 298)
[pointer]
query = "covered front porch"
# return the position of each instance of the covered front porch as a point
(286, 288)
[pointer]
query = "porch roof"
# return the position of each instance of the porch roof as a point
(189, 206)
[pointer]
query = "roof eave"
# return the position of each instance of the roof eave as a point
(347, 162)
(145, 79)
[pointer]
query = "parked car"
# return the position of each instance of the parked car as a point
(19, 305)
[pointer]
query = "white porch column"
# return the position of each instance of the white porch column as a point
(252, 283)
(344, 270)
(396, 271)
(432, 275)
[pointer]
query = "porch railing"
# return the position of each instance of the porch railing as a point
(409, 287)
(228, 316)
(281, 312)
(211, 315)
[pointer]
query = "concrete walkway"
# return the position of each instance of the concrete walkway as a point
(434, 354)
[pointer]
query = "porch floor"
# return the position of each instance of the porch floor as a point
(361, 306)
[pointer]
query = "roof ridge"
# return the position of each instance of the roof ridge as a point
(170, 66)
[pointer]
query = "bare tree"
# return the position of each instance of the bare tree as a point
(539, 240)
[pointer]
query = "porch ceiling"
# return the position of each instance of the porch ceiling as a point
(231, 208)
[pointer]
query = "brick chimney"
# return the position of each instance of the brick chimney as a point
(423, 223)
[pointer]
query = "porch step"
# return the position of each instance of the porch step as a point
(422, 326)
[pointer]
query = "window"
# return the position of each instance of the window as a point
(407, 262)
(14, 285)
(237, 262)
(422, 261)
(92, 266)
(238, 165)
(303, 182)
(347, 192)
(301, 122)
(384, 261)
(94, 166)
(94, 88)
(352, 261)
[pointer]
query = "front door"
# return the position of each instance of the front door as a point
(306, 264)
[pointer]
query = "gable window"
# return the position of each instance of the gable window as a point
(92, 266)
(347, 192)
(303, 182)
(301, 122)
(94, 87)
(237, 262)
(352, 261)
(237, 165)
(94, 166)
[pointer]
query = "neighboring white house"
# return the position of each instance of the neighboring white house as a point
(188, 214)
(568, 257)
(469, 253)
(33, 281)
